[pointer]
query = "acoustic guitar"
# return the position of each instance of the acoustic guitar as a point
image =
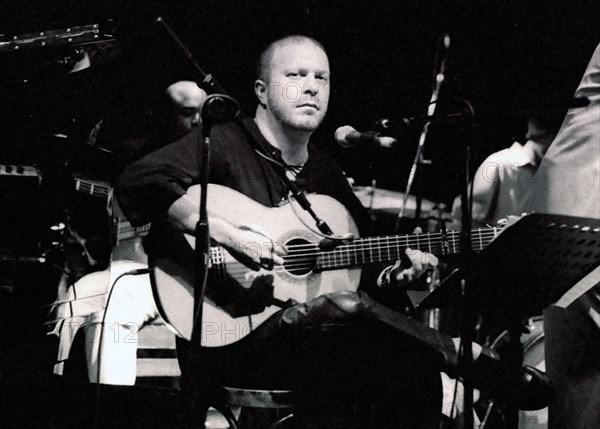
(236, 303)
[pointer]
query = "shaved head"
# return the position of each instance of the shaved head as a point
(184, 101)
(185, 92)
(264, 62)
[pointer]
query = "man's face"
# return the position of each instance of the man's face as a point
(297, 93)
(186, 113)
(539, 135)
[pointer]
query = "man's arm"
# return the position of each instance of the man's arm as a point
(154, 188)
(485, 184)
(148, 187)
(239, 241)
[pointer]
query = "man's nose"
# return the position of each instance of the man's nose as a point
(310, 85)
(196, 118)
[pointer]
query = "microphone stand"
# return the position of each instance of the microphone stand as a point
(199, 374)
(419, 160)
(209, 83)
(465, 361)
(465, 358)
(217, 108)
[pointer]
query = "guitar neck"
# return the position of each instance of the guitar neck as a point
(126, 231)
(370, 250)
(390, 248)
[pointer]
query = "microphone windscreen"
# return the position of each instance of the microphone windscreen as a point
(342, 135)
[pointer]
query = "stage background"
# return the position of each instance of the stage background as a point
(506, 57)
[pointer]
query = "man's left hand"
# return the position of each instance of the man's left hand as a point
(420, 262)
(401, 273)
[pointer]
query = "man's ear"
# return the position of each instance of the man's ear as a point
(260, 89)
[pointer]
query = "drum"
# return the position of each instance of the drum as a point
(533, 355)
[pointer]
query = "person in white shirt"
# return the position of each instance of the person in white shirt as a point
(503, 180)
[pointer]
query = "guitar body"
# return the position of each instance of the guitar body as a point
(227, 317)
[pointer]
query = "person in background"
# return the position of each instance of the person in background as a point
(504, 179)
(177, 114)
(82, 303)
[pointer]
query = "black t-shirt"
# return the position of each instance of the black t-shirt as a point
(148, 187)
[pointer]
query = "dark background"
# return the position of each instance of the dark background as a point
(507, 58)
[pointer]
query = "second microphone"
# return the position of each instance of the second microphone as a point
(347, 136)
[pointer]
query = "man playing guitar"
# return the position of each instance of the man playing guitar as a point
(341, 345)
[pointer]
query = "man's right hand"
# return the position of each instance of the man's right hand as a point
(252, 246)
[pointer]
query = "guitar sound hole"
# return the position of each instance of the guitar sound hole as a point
(301, 258)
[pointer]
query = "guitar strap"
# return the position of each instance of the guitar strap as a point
(280, 169)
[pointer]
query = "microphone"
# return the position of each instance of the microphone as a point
(219, 108)
(347, 136)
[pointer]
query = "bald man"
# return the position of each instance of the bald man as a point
(184, 103)
(177, 115)
(339, 349)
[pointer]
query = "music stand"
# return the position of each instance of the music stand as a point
(525, 269)
(533, 263)
(556, 252)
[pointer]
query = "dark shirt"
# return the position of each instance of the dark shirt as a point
(148, 187)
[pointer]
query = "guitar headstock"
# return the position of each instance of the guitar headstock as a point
(510, 220)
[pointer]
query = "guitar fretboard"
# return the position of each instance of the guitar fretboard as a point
(391, 248)
(373, 249)
(125, 230)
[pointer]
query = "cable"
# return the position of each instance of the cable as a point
(295, 191)
(289, 200)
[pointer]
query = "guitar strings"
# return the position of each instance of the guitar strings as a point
(303, 258)
(385, 242)
(308, 264)
(367, 245)
(418, 238)
(308, 260)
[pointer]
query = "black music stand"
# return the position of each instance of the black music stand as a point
(533, 263)
(525, 269)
